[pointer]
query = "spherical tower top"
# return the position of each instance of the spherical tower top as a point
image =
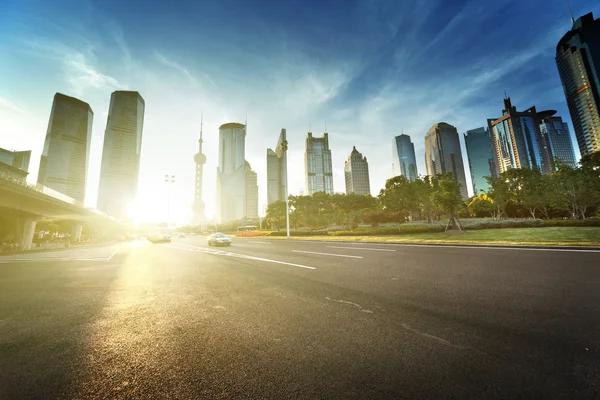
(199, 158)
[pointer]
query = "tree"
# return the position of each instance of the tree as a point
(447, 197)
(575, 189)
(375, 218)
(276, 214)
(398, 198)
(500, 194)
(482, 205)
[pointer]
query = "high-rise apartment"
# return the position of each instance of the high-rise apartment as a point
(356, 172)
(557, 142)
(517, 140)
(277, 170)
(578, 61)
(251, 193)
(443, 154)
(403, 158)
(317, 165)
(481, 159)
(120, 166)
(237, 188)
(64, 161)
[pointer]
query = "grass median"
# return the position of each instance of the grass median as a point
(551, 236)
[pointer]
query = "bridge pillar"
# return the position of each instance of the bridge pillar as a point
(76, 233)
(25, 231)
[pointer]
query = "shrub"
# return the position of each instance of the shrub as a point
(299, 233)
(572, 222)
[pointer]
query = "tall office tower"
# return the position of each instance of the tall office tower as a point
(403, 158)
(199, 160)
(317, 165)
(443, 154)
(517, 141)
(64, 161)
(16, 159)
(481, 158)
(557, 142)
(578, 61)
(251, 210)
(231, 173)
(121, 154)
(277, 170)
(356, 172)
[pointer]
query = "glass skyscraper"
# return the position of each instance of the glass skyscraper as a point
(403, 157)
(517, 141)
(557, 141)
(121, 154)
(578, 61)
(317, 165)
(443, 154)
(481, 159)
(356, 173)
(277, 170)
(64, 161)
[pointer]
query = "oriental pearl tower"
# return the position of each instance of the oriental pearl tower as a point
(199, 159)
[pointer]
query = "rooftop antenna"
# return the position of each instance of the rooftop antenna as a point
(505, 95)
(570, 12)
(325, 126)
(309, 125)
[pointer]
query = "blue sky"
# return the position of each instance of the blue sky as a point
(371, 69)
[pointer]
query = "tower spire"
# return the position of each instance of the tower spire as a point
(201, 123)
(570, 12)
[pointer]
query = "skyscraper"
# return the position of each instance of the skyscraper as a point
(443, 154)
(237, 189)
(356, 172)
(277, 170)
(517, 141)
(578, 61)
(121, 154)
(199, 160)
(64, 161)
(557, 142)
(251, 210)
(317, 165)
(403, 158)
(481, 159)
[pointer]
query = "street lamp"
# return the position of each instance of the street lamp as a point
(169, 179)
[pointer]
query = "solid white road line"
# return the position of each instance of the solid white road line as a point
(357, 248)
(326, 254)
(113, 254)
(238, 255)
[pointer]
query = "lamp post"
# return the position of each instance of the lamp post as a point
(170, 179)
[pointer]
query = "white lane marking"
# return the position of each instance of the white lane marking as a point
(352, 304)
(113, 254)
(261, 242)
(357, 248)
(326, 254)
(238, 255)
(439, 339)
(498, 247)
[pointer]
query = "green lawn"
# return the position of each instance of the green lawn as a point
(558, 236)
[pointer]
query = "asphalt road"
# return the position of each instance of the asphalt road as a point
(305, 320)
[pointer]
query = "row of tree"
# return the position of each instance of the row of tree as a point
(517, 193)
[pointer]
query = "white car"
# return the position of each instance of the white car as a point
(219, 239)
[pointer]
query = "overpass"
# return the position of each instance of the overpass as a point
(28, 204)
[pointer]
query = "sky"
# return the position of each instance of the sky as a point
(367, 69)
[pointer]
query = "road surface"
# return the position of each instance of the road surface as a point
(273, 319)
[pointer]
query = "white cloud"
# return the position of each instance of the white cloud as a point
(11, 106)
(82, 75)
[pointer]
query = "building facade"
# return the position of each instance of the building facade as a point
(578, 62)
(481, 160)
(277, 170)
(16, 159)
(317, 165)
(443, 154)
(403, 158)
(237, 189)
(251, 193)
(517, 140)
(121, 152)
(557, 142)
(64, 161)
(356, 172)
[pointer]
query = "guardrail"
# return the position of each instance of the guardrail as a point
(40, 188)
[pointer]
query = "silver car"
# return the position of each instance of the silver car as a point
(219, 239)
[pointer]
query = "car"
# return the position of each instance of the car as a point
(181, 235)
(219, 239)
